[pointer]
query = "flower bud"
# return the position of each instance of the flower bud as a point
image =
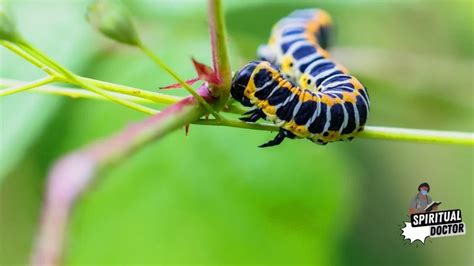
(110, 18)
(7, 26)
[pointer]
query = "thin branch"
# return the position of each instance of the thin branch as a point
(120, 91)
(33, 60)
(37, 86)
(373, 132)
(66, 182)
(27, 86)
(153, 96)
(220, 55)
(149, 95)
(183, 83)
(39, 59)
(72, 174)
(419, 135)
(69, 92)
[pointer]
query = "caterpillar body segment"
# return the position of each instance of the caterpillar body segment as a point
(337, 112)
(297, 47)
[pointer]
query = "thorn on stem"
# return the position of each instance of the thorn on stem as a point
(186, 129)
(205, 72)
(178, 85)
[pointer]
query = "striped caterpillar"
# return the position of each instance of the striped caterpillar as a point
(327, 105)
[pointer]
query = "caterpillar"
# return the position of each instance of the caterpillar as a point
(327, 105)
(297, 46)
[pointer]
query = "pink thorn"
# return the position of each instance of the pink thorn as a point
(178, 85)
(205, 72)
(186, 129)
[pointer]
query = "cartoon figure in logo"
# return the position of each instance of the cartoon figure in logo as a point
(422, 202)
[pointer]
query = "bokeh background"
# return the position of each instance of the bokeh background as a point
(213, 197)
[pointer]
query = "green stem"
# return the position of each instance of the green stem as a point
(27, 86)
(72, 174)
(375, 132)
(220, 55)
(418, 135)
(153, 96)
(238, 124)
(33, 60)
(119, 91)
(70, 92)
(183, 83)
(82, 82)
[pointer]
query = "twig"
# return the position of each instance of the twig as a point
(69, 92)
(33, 60)
(71, 175)
(220, 55)
(73, 78)
(419, 135)
(39, 59)
(181, 81)
(117, 90)
(153, 96)
(374, 132)
(27, 86)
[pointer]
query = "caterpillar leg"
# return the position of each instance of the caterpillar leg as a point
(251, 110)
(278, 138)
(254, 115)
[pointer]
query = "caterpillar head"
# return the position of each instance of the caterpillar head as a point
(240, 81)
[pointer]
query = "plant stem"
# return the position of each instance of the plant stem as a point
(33, 60)
(220, 55)
(153, 96)
(80, 81)
(374, 132)
(237, 124)
(70, 92)
(73, 173)
(183, 83)
(119, 91)
(418, 135)
(27, 86)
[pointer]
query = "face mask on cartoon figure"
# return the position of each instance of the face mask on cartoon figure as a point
(424, 192)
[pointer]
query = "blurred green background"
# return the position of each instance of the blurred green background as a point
(213, 197)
